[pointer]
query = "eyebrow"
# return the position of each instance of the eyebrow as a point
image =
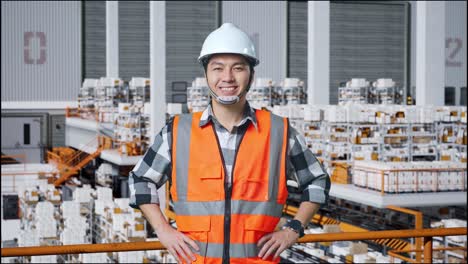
(222, 64)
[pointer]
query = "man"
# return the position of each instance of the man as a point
(228, 167)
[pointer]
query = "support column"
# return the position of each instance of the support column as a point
(158, 75)
(430, 52)
(318, 56)
(112, 39)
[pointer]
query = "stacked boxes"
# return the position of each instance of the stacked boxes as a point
(354, 91)
(261, 94)
(292, 91)
(198, 95)
(401, 177)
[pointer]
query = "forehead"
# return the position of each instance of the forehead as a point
(227, 58)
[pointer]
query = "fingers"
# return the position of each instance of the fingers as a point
(174, 254)
(265, 247)
(188, 252)
(181, 253)
(280, 249)
(264, 239)
(271, 249)
(191, 243)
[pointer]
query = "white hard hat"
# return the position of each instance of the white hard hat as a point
(228, 39)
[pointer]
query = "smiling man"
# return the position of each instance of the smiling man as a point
(227, 167)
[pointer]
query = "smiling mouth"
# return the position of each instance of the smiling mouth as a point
(228, 91)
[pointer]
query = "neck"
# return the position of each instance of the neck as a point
(229, 115)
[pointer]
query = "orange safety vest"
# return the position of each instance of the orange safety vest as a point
(225, 222)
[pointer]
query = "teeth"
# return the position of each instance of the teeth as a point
(227, 89)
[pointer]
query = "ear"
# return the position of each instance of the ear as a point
(252, 77)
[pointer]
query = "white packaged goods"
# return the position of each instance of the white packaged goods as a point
(83, 195)
(45, 209)
(44, 259)
(403, 177)
(130, 257)
(46, 227)
(124, 108)
(261, 93)
(380, 83)
(104, 193)
(101, 206)
(340, 248)
(28, 238)
(292, 91)
(70, 209)
(122, 203)
(335, 113)
(198, 95)
(71, 236)
(312, 113)
(174, 109)
(121, 221)
(94, 258)
(10, 229)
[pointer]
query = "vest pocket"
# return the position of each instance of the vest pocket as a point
(197, 229)
(205, 183)
(254, 190)
(256, 227)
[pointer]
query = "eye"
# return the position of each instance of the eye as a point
(239, 68)
(217, 69)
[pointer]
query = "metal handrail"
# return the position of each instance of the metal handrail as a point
(427, 234)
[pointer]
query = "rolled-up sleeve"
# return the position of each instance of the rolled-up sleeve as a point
(303, 168)
(152, 171)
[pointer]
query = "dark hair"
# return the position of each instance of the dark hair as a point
(250, 61)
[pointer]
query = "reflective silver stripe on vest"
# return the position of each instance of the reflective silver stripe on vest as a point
(182, 155)
(276, 147)
(215, 250)
(237, 206)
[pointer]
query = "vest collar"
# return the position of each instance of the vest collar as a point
(249, 115)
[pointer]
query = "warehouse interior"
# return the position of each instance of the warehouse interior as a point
(377, 89)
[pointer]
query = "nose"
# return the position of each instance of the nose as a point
(227, 76)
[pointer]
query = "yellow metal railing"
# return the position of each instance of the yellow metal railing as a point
(426, 234)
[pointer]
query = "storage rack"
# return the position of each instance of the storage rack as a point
(395, 145)
(198, 95)
(423, 142)
(128, 130)
(292, 92)
(86, 98)
(312, 131)
(139, 91)
(365, 141)
(109, 94)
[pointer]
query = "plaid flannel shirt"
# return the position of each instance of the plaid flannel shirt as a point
(154, 169)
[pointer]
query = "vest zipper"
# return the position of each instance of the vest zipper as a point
(227, 198)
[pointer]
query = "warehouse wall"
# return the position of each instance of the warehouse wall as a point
(297, 40)
(94, 39)
(455, 43)
(367, 40)
(265, 22)
(133, 39)
(41, 58)
(455, 49)
(187, 25)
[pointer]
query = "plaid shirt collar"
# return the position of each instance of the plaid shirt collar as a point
(249, 115)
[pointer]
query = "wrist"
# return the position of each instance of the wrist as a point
(161, 227)
(296, 226)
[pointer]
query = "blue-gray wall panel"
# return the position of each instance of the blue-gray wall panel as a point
(265, 22)
(44, 65)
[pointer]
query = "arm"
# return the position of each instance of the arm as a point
(173, 240)
(312, 181)
(152, 172)
(280, 240)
